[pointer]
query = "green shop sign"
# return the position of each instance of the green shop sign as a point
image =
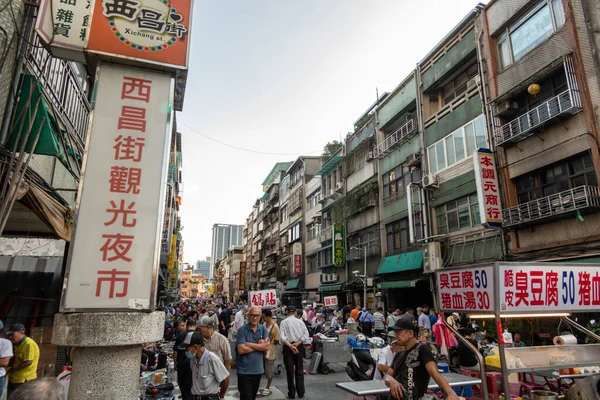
(339, 252)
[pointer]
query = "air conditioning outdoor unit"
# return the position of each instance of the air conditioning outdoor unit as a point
(432, 257)
(322, 277)
(472, 84)
(370, 156)
(430, 181)
(331, 192)
(508, 107)
(334, 277)
(339, 186)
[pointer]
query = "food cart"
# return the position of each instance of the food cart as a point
(525, 290)
(333, 350)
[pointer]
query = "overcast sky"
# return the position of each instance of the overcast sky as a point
(286, 76)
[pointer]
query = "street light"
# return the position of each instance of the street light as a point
(364, 277)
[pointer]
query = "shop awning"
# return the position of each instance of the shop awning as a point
(399, 284)
(292, 284)
(330, 288)
(402, 262)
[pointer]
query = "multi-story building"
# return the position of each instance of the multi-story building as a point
(203, 268)
(312, 229)
(223, 237)
(543, 90)
(231, 265)
(185, 288)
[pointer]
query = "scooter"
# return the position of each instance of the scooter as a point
(362, 366)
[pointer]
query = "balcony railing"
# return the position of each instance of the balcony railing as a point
(62, 87)
(578, 198)
(326, 234)
(520, 128)
(398, 137)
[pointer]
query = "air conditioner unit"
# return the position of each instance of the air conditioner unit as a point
(432, 257)
(331, 192)
(508, 107)
(430, 181)
(370, 156)
(413, 160)
(322, 278)
(472, 84)
(334, 277)
(339, 187)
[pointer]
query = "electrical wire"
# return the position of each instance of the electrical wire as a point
(244, 149)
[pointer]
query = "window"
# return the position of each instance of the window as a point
(284, 213)
(395, 181)
(325, 257)
(458, 86)
(458, 214)
(313, 199)
(458, 145)
(313, 231)
(558, 177)
(294, 233)
(530, 30)
(312, 263)
(398, 235)
(550, 87)
(296, 176)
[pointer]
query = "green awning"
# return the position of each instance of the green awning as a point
(330, 288)
(43, 121)
(265, 196)
(401, 262)
(292, 284)
(398, 284)
(329, 165)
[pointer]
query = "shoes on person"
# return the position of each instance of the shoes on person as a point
(288, 397)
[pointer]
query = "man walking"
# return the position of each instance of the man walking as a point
(214, 341)
(424, 325)
(379, 322)
(27, 355)
(182, 363)
(274, 338)
(367, 322)
(293, 335)
(252, 343)
(238, 321)
(210, 378)
(6, 353)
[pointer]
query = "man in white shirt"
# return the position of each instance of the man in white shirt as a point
(335, 322)
(293, 335)
(317, 321)
(379, 322)
(239, 320)
(386, 357)
(6, 353)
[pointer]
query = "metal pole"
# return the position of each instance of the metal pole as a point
(365, 280)
(503, 366)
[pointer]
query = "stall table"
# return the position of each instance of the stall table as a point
(369, 388)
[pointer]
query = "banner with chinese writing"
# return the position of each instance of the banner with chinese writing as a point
(549, 287)
(263, 298)
(488, 191)
(171, 263)
(148, 31)
(466, 290)
(330, 301)
(172, 279)
(165, 243)
(339, 251)
(297, 252)
(62, 25)
(113, 260)
(242, 286)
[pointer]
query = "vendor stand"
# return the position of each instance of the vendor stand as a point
(332, 349)
(525, 290)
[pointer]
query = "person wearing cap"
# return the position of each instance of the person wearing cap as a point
(412, 368)
(210, 378)
(293, 335)
(6, 353)
(452, 320)
(252, 343)
(210, 312)
(214, 341)
(386, 357)
(27, 355)
(182, 364)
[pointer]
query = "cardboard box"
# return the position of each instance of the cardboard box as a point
(47, 354)
(41, 334)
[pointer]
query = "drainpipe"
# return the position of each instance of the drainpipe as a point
(14, 87)
(424, 161)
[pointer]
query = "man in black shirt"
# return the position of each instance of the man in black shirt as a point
(182, 363)
(409, 375)
(466, 357)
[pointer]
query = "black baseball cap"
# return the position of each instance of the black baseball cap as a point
(16, 328)
(403, 324)
(191, 339)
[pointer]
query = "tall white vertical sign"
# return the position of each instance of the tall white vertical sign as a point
(113, 260)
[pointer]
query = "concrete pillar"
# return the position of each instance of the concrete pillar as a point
(107, 360)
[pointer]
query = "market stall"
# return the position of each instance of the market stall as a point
(527, 290)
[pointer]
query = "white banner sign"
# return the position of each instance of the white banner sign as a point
(330, 301)
(466, 290)
(549, 287)
(115, 250)
(488, 191)
(263, 298)
(63, 25)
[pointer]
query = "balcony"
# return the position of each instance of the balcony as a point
(397, 138)
(579, 198)
(520, 128)
(326, 234)
(62, 87)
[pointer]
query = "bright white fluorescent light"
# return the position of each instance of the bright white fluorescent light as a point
(538, 315)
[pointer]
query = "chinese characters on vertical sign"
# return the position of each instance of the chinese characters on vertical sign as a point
(466, 289)
(547, 287)
(114, 256)
(148, 30)
(242, 285)
(330, 301)
(297, 252)
(171, 262)
(338, 245)
(488, 191)
(263, 298)
(62, 25)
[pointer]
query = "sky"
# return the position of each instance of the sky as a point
(286, 77)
